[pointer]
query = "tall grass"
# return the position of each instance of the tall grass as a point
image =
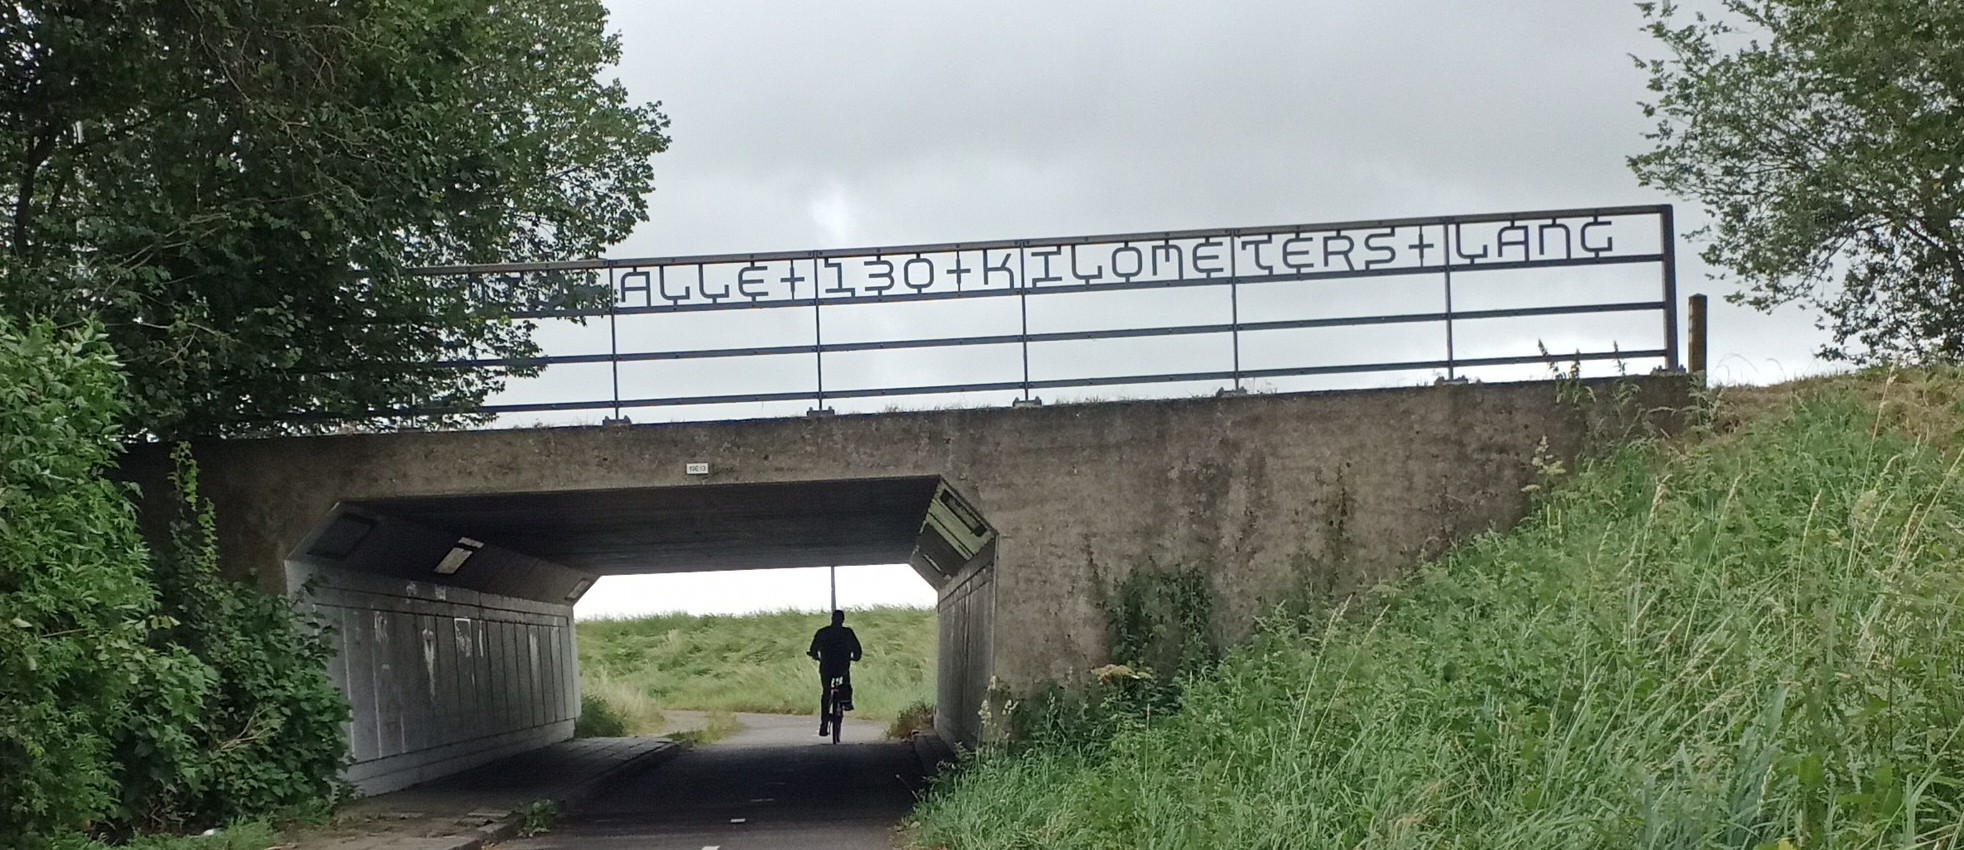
(751, 663)
(1746, 640)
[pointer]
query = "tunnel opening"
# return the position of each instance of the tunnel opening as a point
(453, 616)
(715, 656)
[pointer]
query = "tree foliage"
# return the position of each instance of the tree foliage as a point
(1826, 139)
(75, 605)
(206, 176)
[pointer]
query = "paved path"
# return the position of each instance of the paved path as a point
(479, 805)
(773, 786)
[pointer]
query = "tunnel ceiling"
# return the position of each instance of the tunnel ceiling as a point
(691, 528)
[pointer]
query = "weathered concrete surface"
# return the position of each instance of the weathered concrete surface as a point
(486, 805)
(441, 679)
(1270, 495)
(965, 619)
(687, 529)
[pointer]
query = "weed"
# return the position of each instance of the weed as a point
(1160, 632)
(918, 717)
(628, 704)
(718, 725)
(599, 719)
(537, 817)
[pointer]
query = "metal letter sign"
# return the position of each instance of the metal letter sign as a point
(1233, 259)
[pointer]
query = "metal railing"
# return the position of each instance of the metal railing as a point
(1234, 260)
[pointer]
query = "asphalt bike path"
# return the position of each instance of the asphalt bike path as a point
(776, 785)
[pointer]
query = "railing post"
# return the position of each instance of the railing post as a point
(818, 334)
(1234, 306)
(1667, 227)
(1452, 367)
(1023, 304)
(1698, 338)
(614, 339)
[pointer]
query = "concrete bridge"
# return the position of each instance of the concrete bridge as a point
(449, 562)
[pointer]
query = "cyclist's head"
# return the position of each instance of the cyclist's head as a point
(838, 617)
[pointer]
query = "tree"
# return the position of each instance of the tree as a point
(206, 177)
(1826, 140)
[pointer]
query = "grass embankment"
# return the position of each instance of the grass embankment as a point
(638, 667)
(1746, 638)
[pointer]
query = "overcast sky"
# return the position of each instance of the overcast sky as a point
(804, 125)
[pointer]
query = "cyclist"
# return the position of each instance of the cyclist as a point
(836, 648)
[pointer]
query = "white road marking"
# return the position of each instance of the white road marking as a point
(738, 820)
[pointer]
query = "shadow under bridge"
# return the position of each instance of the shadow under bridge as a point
(453, 614)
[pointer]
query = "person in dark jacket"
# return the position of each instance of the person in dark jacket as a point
(836, 648)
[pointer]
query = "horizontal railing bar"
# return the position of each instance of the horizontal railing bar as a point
(672, 401)
(1056, 336)
(1180, 283)
(1053, 383)
(598, 264)
(1458, 363)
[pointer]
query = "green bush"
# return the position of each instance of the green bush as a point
(75, 600)
(267, 736)
(1747, 641)
(136, 692)
(598, 719)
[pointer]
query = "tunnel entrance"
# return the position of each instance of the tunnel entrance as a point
(703, 655)
(453, 615)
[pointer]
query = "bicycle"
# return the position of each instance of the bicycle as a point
(835, 705)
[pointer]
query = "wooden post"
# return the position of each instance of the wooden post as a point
(1697, 353)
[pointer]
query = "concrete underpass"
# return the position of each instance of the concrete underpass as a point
(1023, 519)
(454, 614)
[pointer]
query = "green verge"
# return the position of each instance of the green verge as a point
(756, 663)
(245, 835)
(1747, 638)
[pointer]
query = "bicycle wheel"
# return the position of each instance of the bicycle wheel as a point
(833, 709)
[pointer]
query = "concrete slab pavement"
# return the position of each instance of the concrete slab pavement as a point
(485, 805)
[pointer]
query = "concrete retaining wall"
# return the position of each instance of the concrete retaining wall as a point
(442, 671)
(442, 678)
